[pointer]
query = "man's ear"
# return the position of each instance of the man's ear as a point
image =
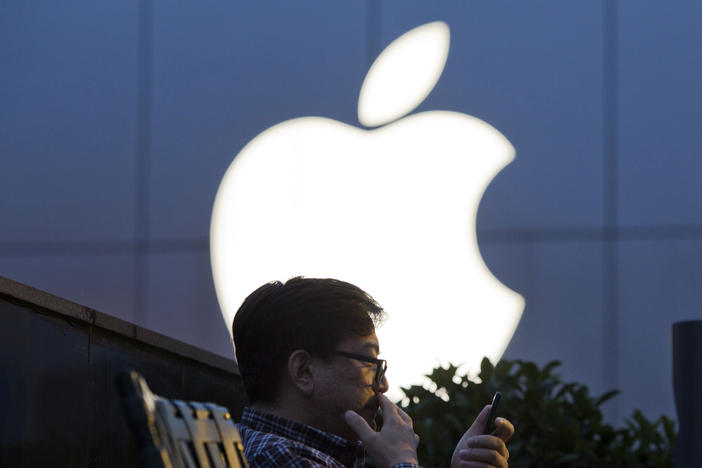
(299, 371)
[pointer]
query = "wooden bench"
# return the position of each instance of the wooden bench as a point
(176, 433)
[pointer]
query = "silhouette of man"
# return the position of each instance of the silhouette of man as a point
(308, 356)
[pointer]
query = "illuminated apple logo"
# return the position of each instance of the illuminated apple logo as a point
(390, 209)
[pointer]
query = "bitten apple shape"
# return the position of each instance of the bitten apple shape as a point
(390, 209)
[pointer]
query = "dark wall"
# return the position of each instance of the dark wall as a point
(119, 119)
(57, 383)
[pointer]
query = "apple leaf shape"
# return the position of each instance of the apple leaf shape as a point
(404, 74)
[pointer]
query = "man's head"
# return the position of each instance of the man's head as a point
(304, 314)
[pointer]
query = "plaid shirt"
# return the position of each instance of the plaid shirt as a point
(271, 441)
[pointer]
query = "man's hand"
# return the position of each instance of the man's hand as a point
(395, 443)
(479, 450)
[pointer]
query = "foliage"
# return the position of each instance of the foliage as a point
(558, 424)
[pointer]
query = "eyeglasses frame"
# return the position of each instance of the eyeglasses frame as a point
(381, 365)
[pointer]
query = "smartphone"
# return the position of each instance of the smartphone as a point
(490, 424)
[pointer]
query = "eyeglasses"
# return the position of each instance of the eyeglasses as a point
(381, 365)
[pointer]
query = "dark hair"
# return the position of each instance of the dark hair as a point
(302, 313)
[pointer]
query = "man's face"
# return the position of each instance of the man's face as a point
(345, 384)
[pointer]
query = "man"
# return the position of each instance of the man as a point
(308, 356)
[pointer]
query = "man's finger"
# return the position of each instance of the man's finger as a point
(475, 439)
(482, 457)
(389, 410)
(405, 417)
(388, 405)
(489, 442)
(359, 425)
(385, 404)
(504, 429)
(479, 424)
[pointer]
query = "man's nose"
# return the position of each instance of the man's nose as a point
(383, 386)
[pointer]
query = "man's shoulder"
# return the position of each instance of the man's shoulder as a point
(256, 441)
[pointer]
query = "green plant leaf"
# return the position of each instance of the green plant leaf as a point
(558, 424)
